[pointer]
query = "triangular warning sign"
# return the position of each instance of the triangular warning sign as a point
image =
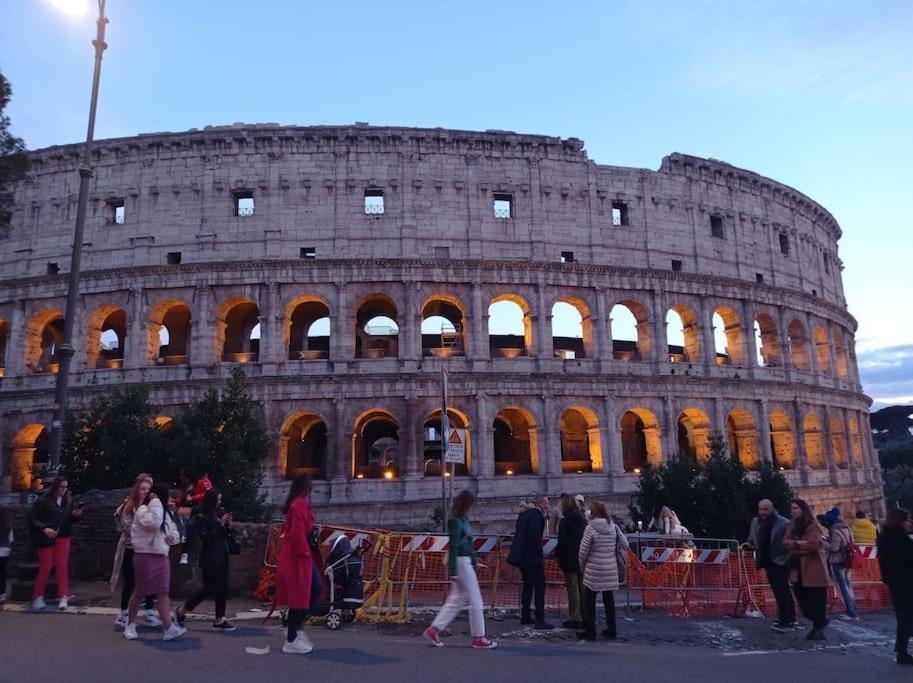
(455, 436)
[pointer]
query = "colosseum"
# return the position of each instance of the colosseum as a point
(591, 318)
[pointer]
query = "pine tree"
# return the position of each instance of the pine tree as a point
(13, 159)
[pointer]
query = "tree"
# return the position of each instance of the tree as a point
(223, 435)
(106, 446)
(13, 159)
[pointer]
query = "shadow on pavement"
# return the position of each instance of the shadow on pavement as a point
(351, 655)
(184, 644)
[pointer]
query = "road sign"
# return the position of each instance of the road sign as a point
(456, 447)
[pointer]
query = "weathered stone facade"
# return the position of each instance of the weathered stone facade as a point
(215, 235)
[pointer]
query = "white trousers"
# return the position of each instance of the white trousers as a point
(464, 590)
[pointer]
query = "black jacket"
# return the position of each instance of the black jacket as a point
(46, 514)
(570, 533)
(213, 542)
(895, 557)
(526, 548)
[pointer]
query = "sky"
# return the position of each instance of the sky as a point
(817, 94)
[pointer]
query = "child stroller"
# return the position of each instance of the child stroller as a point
(345, 587)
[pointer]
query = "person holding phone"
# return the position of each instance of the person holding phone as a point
(51, 521)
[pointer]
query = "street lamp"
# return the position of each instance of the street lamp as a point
(65, 351)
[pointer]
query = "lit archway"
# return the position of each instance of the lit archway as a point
(838, 443)
(431, 451)
(303, 447)
(43, 335)
(855, 442)
(630, 331)
(581, 448)
(694, 434)
(169, 333)
(307, 329)
(238, 331)
(443, 327)
(572, 329)
(728, 337)
(742, 438)
(682, 334)
(377, 328)
(106, 337)
(840, 354)
(640, 440)
(822, 350)
(375, 446)
(31, 447)
(798, 344)
(782, 441)
(515, 444)
(767, 340)
(815, 448)
(509, 327)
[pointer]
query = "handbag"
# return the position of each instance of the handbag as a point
(621, 558)
(232, 543)
(314, 538)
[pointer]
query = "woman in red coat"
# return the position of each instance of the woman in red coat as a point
(298, 583)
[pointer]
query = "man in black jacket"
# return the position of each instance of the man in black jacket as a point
(526, 554)
(570, 533)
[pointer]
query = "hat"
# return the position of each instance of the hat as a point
(832, 515)
(579, 497)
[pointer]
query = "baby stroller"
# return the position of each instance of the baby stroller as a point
(346, 589)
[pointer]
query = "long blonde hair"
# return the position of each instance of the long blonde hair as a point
(133, 500)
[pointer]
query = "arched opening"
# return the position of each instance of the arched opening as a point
(307, 329)
(238, 331)
(682, 335)
(840, 354)
(728, 337)
(375, 446)
(742, 438)
(855, 442)
(630, 331)
(694, 434)
(4, 333)
(43, 335)
(31, 447)
(822, 350)
(509, 327)
(838, 443)
(814, 442)
(768, 342)
(798, 345)
(515, 443)
(163, 422)
(303, 447)
(572, 329)
(431, 453)
(169, 333)
(376, 328)
(442, 327)
(106, 337)
(640, 442)
(581, 449)
(782, 441)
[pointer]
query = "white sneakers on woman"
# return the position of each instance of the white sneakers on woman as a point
(130, 632)
(173, 631)
(300, 646)
(122, 619)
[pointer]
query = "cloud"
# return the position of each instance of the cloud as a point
(887, 374)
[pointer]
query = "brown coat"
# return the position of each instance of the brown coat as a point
(812, 556)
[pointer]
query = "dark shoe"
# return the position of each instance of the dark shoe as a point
(572, 624)
(223, 626)
(782, 628)
(526, 621)
(904, 658)
(543, 626)
(815, 634)
(606, 633)
(583, 635)
(180, 616)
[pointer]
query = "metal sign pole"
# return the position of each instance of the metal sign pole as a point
(445, 437)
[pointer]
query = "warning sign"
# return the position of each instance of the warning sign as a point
(456, 447)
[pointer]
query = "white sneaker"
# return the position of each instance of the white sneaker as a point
(300, 646)
(151, 619)
(38, 604)
(130, 632)
(184, 558)
(122, 620)
(173, 631)
(62, 605)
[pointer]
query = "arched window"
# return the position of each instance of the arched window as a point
(814, 442)
(694, 434)
(768, 342)
(376, 328)
(106, 338)
(238, 331)
(572, 329)
(443, 327)
(742, 438)
(580, 445)
(855, 442)
(169, 333)
(822, 350)
(728, 337)
(515, 442)
(682, 335)
(840, 354)
(640, 441)
(43, 334)
(376, 446)
(838, 442)
(303, 447)
(307, 329)
(782, 441)
(31, 448)
(509, 328)
(630, 331)
(798, 345)
(431, 455)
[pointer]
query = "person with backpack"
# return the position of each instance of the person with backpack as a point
(51, 520)
(570, 533)
(602, 544)
(840, 548)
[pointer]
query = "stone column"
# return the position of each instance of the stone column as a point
(812, 346)
(549, 439)
(719, 418)
(343, 462)
(612, 453)
(544, 348)
(272, 326)
(409, 316)
(203, 328)
(410, 457)
(342, 331)
(707, 336)
(785, 348)
(660, 337)
(479, 337)
(15, 337)
(801, 453)
(763, 418)
(602, 328)
(137, 342)
(831, 352)
(869, 458)
(483, 456)
(829, 446)
(671, 440)
(848, 439)
(751, 344)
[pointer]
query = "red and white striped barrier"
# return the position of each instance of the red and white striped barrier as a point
(684, 555)
(869, 552)
(438, 543)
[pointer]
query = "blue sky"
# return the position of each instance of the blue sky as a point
(816, 94)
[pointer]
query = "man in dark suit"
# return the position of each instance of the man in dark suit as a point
(526, 555)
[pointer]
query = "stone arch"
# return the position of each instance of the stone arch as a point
(732, 351)
(782, 441)
(303, 446)
(625, 348)
(169, 333)
(838, 442)
(640, 439)
(855, 442)
(237, 327)
(307, 328)
(815, 448)
(767, 337)
(43, 335)
(4, 335)
(572, 312)
(375, 445)
(840, 353)
(581, 447)
(694, 434)
(443, 326)
(742, 437)
(163, 422)
(515, 442)
(106, 337)
(822, 350)
(431, 452)
(31, 446)
(798, 345)
(689, 350)
(514, 337)
(377, 327)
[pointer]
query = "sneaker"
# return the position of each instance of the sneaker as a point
(62, 605)
(122, 620)
(173, 631)
(815, 634)
(299, 646)
(180, 616)
(904, 658)
(431, 635)
(185, 559)
(130, 632)
(38, 604)
(781, 628)
(223, 626)
(151, 619)
(543, 626)
(526, 620)
(483, 644)
(847, 617)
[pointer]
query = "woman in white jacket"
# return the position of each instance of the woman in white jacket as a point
(602, 539)
(152, 532)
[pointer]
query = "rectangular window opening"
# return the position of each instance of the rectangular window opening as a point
(759, 278)
(308, 252)
(442, 252)
(567, 257)
(827, 264)
(503, 205)
(716, 227)
(784, 244)
(174, 258)
(115, 211)
(244, 203)
(374, 202)
(53, 269)
(676, 265)
(619, 213)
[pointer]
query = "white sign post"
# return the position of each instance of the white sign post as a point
(456, 447)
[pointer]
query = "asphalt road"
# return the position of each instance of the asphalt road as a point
(68, 647)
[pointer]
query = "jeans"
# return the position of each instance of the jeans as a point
(58, 556)
(842, 579)
(575, 596)
(464, 590)
(533, 583)
(215, 584)
(589, 612)
(778, 578)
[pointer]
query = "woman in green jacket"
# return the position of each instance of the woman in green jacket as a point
(464, 586)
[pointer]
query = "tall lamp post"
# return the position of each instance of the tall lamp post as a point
(66, 351)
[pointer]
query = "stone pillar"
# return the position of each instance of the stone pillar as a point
(848, 438)
(831, 352)
(707, 336)
(671, 440)
(869, 458)
(410, 347)
(15, 338)
(785, 347)
(602, 328)
(479, 337)
(272, 326)
(801, 454)
(719, 418)
(549, 439)
(342, 329)
(203, 328)
(343, 462)
(483, 456)
(137, 342)
(410, 445)
(763, 418)
(612, 454)
(751, 344)
(811, 346)
(544, 348)
(660, 337)
(829, 446)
